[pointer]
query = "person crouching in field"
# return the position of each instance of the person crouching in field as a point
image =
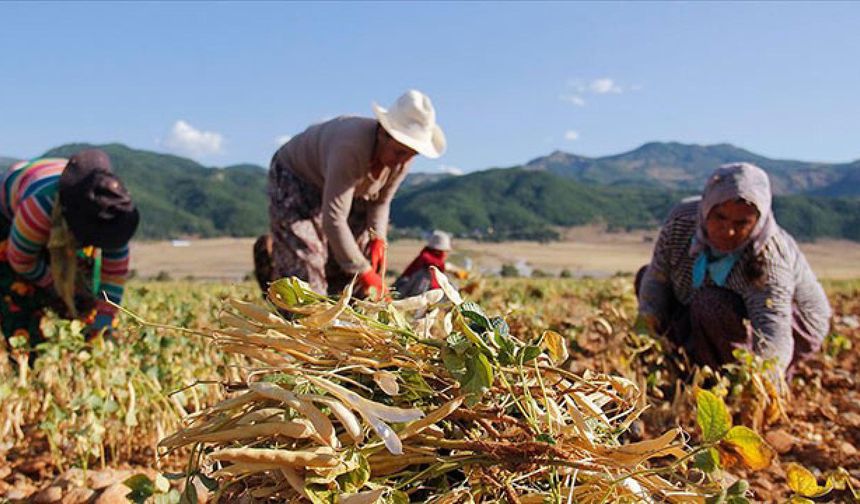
(725, 276)
(417, 278)
(65, 227)
(330, 192)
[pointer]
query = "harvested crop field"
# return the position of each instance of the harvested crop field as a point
(88, 416)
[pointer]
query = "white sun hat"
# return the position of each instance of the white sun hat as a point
(412, 122)
(439, 240)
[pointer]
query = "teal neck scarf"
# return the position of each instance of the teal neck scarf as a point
(716, 266)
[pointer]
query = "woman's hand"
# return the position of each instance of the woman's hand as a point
(371, 285)
(377, 255)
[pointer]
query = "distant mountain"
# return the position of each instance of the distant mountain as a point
(179, 197)
(680, 166)
(516, 203)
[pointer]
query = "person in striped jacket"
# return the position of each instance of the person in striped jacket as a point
(64, 232)
(725, 276)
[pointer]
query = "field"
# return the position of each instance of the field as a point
(584, 252)
(88, 416)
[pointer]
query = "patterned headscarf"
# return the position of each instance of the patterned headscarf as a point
(731, 182)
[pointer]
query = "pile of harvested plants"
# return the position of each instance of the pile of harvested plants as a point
(426, 399)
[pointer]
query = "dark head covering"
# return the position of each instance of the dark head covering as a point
(95, 204)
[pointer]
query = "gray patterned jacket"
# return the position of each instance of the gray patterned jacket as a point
(788, 281)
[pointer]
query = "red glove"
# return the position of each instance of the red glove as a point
(377, 256)
(370, 284)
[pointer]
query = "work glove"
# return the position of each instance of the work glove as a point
(370, 284)
(377, 256)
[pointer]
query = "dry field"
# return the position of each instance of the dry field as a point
(585, 252)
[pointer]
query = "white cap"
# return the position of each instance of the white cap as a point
(439, 240)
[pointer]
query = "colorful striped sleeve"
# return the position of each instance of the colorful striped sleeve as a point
(28, 239)
(115, 264)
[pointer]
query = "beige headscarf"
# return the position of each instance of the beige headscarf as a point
(731, 182)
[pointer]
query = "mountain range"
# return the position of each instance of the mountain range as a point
(685, 167)
(180, 197)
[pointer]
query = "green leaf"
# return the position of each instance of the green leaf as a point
(396, 497)
(454, 363)
(293, 292)
(321, 494)
(415, 388)
(141, 487)
(712, 416)
(739, 487)
(507, 349)
(189, 496)
(479, 374)
(748, 445)
(707, 461)
(475, 338)
(474, 314)
(529, 353)
(458, 343)
(353, 481)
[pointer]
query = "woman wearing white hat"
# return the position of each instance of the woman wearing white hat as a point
(330, 192)
(418, 278)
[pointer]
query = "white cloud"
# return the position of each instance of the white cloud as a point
(571, 135)
(579, 88)
(186, 139)
(281, 140)
(604, 86)
(574, 99)
(450, 170)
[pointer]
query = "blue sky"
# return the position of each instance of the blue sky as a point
(222, 82)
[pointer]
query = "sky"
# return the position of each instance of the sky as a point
(226, 83)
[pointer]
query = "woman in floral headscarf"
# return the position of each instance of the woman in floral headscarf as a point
(722, 261)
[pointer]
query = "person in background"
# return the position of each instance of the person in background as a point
(330, 193)
(417, 278)
(64, 232)
(724, 275)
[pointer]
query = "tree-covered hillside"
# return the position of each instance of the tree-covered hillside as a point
(180, 197)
